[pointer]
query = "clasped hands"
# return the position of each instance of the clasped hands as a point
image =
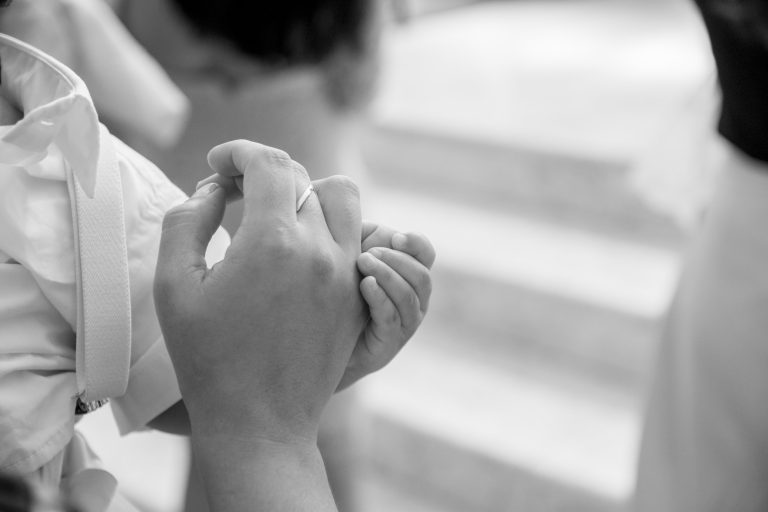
(261, 340)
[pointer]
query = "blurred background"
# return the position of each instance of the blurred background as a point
(549, 149)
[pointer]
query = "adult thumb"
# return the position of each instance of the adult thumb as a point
(187, 230)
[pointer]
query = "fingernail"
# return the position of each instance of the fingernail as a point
(205, 181)
(205, 190)
(370, 282)
(376, 251)
(367, 260)
(399, 240)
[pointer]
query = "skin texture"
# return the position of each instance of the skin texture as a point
(396, 287)
(261, 340)
(287, 275)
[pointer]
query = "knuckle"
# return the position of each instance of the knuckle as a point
(299, 170)
(278, 157)
(175, 218)
(346, 185)
(244, 152)
(260, 156)
(323, 264)
(174, 215)
(243, 144)
(279, 245)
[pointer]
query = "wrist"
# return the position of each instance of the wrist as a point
(245, 444)
(265, 473)
(228, 426)
(245, 450)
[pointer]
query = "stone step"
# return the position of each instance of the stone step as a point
(513, 284)
(468, 431)
(543, 107)
(566, 189)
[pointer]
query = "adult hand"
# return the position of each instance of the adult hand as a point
(260, 341)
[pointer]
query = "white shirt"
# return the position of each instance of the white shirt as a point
(54, 131)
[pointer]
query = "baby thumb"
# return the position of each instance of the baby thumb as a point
(187, 230)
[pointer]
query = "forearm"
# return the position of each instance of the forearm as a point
(262, 475)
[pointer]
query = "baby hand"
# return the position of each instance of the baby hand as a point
(396, 285)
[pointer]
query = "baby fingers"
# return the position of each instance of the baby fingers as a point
(417, 245)
(410, 269)
(383, 311)
(404, 297)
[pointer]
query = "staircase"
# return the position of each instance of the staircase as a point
(509, 133)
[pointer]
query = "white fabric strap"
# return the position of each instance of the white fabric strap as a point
(103, 291)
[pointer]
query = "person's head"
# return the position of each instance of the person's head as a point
(286, 32)
(338, 36)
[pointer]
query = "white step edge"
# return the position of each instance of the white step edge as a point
(554, 429)
(609, 273)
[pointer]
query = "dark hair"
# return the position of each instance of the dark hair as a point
(15, 494)
(283, 32)
(751, 16)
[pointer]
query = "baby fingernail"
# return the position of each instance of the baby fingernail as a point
(399, 240)
(370, 283)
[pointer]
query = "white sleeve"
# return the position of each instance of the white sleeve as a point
(148, 194)
(38, 306)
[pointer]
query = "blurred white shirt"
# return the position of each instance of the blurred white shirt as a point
(131, 91)
(50, 128)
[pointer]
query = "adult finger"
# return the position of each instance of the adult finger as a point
(232, 185)
(340, 200)
(230, 176)
(269, 186)
(376, 235)
(187, 230)
(410, 269)
(369, 228)
(417, 245)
